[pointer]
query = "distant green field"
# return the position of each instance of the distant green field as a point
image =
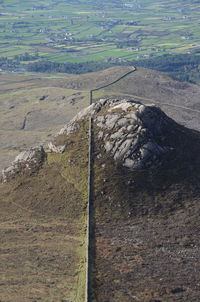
(80, 31)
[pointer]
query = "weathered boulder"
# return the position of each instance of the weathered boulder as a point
(26, 162)
(131, 132)
(134, 135)
(56, 149)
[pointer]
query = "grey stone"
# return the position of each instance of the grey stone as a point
(129, 163)
(116, 135)
(111, 119)
(123, 149)
(26, 160)
(108, 146)
(123, 122)
(69, 128)
(100, 121)
(100, 135)
(133, 137)
(141, 109)
(56, 149)
(100, 118)
(128, 130)
(132, 115)
(116, 145)
(123, 105)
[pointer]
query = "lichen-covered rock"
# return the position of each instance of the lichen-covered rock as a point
(131, 132)
(26, 162)
(56, 149)
(69, 128)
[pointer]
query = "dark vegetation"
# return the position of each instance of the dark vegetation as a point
(183, 67)
(76, 68)
(129, 43)
(26, 57)
(146, 225)
(162, 189)
(8, 64)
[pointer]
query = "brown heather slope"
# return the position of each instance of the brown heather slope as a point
(43, 228)
(146, 240)
(145, 222)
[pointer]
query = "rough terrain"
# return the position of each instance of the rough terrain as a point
(144, 244)
(146, 221)
(34, 107)
(145, 214)
(43, 224)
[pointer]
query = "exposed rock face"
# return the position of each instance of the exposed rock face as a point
(56, 149)
(133, 133)
(27, 161)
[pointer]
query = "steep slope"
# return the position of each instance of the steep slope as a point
(144, 211)
(145, 204)
(146, 220)
(43, 224)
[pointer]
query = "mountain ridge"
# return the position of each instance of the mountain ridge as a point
(126, 201)
(48, 102)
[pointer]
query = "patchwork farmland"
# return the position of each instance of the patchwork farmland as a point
(82, 31)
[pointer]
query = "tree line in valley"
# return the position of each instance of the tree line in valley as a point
(183, 67)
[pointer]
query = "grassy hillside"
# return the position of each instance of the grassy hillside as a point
(43, 228)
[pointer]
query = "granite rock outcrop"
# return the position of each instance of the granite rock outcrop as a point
(26, 161)
(131, 132)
